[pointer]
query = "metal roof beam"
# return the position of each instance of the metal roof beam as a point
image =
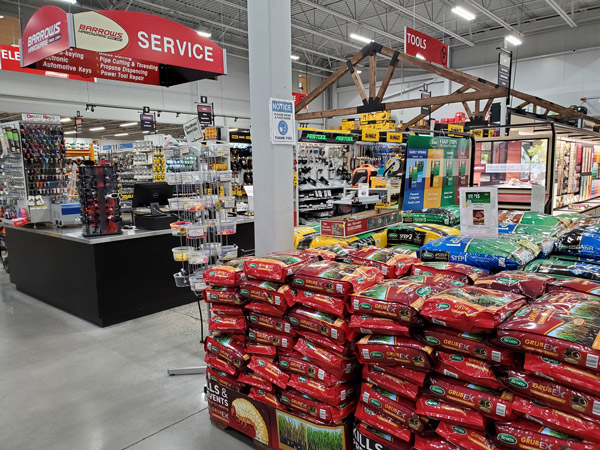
(556, 7)
(326, 36)
(494, 17)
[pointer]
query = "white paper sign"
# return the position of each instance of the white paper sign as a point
(363, 190)
(479, 211)
(538, 198)
(283, 129)
(192, 130)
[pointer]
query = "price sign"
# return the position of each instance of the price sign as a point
(479, 211)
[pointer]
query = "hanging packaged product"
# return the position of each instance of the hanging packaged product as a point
(523, 283)
(417, 234)
(388, 350)
(391, 263)
(527, 435)
(446, 412)
(465, 368)
(444, 215)
(330, 277)
(277, 266)
(459, 272)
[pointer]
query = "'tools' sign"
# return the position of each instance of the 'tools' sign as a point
(425, 47)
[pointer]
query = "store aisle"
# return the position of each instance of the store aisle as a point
(67, 384)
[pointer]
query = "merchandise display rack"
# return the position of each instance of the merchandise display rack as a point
(13, 190)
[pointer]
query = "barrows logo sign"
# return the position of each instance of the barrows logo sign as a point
(44, 37)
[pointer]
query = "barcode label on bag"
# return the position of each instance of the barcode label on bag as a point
(591, 361)
(450, 374)
(596, 408)
(355, 304)
(500, 410)
(284, 342)
(334, 334)
(496, 356)
(320, 374)
(322, 414)
(365, 354)
(438, 322)
(366, 397)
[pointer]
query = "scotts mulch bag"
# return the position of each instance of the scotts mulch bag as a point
(417, 234)
(529, 230)
(560, 372)
(228, 349)
(224, 295)
(339, 250)
(223, 379)
(561, 268)
(572, 258)
(277, 324)
(321, 302)
(455, 271)
(433, 443)
(557, 420)
(265, 397)
(571, 303)
(316, 408)
(219, 364)
(317, 240)
(383, 423)
(378, 239)
(528, 435)
(269, 371)
(538, 244)
(472, 344)
(528, 284)
(279, 295)
(252, 348)
(276, 266)
(471, 309)
(334, 328)
(389, 350)
(217, 309)
(456, 415)
(404, 373)
(496, 405)
(549, 332)
(465, 438)
(302, 232)
(394, 299)
(391, 263)
(263, 336)
(330, 277)
(407, 249)
(229, 274)
(345, 348)
(531, 218)
(487, 253)
(264, 308)
(378, 325)
(328, 359)
(330, 255)
(254, 379)
(227, 324)
(366, 437)
(390, 404)
(297, 363)
(390, 383)
(553, 394)
(445, 215)
(467, 369)
(441, 280)
(332, 395)
(581, 241)
(574, 285)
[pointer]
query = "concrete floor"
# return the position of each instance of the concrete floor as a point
(66, 384)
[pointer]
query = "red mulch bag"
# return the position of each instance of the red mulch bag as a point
(363, 433)
(252, 348)
(563, 373)
(279, 295)
(413, 376)
(383, 423)
(226, 295)
(433, 443)
(471, 309)
(218, 364)
(528, 435)
(322, 302)
(265, 397)
(472, 344)
(228, 274)
(254, 379)
(427, 406)
(395, 299)
(557, 420)
(460, 272)
(327, 359)
(463, 437)
(227, 324)
(390, 383)
(336, 329)
(571, 303)
(468, 369)
(316, 408)
(345, 349)
(574, 284)
(551, 333)
(496, 405)
(436, 280)
(389, 261)
(330, 277)
(265, 308)
(267, 337)
(216, 309)
(228, 349)
(297, 363)
(223, 379)
(531, 285)
(277, 324)
(392, 350)
(378, 325)
(555, 395)
(269, 371)
(392, 405)
(277, 266)
(332, 395)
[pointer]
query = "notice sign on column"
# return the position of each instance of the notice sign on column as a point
(282, 121)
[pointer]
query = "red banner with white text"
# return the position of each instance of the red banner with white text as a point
(425, 47)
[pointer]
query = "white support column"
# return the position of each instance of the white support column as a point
(270, 46)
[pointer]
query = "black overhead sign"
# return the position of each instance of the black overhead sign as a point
(504, 68)
(205, 116)
(241, 136)
(147, 122)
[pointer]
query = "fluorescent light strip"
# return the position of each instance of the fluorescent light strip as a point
(65, 119)
(514, 40)
(128, 124)
(122, 134)
(462, 12)
(70, 132)
(97, 129)
(233, 129)
(358, 37)
(205, 34)
(295, 57)
(72, 2)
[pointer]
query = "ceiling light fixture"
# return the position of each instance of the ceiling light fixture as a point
(1, 17)
(97, 128)
(514, 40)
(128, 124)
(232, 129)
(122, 134)
(70, 132)
(359, 72)
(295, 57)
(462, 12)
(205, 34)
(358, 37)
(65, 119)
(72, 2)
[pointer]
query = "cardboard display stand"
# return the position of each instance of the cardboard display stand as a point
(351, 225)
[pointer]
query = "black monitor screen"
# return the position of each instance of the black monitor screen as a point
(146, 193)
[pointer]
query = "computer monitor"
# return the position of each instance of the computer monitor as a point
(151, 195)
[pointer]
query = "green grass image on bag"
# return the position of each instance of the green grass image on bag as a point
(321, 439)
(292, 432)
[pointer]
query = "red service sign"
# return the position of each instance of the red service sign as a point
(424, 46)
(298, 97)
(46, 33)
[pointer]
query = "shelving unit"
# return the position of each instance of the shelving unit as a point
(13, 190)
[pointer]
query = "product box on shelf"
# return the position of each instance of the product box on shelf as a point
(351, 225)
